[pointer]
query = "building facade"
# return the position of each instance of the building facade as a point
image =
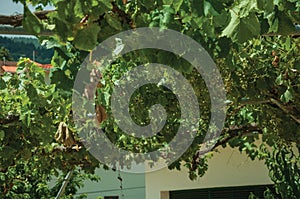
(230, 175)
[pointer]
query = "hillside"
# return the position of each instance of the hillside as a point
(24, 47)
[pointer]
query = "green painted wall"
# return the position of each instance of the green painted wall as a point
(109, 185)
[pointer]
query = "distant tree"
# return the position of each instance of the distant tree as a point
(24, 47)
(4, 53)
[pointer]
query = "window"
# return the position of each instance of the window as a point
(111, 197)
(241, 192)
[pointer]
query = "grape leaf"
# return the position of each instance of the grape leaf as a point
(167, 2)
(177, 4)
(242, 29)
(86, 39)
(31, 23)
(287, 96)
(113, 22)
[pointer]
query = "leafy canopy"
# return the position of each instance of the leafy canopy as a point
(252, 43)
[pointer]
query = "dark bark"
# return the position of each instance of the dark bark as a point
(16, 20)
(231, 132)
(9, 119)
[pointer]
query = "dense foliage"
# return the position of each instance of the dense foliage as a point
(254, 44)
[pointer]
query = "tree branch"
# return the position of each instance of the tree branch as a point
(272, 101)
(9, 119)
(238, 131)
(231, 132)
(16, 20)
(286, 110)
(294, 34)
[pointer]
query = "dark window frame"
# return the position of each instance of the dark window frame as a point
(111, 197)
(234, 192)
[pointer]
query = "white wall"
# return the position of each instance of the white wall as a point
(227, 168)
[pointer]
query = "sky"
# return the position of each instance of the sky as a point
(8, 7)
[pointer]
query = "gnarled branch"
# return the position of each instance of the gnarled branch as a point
(286, 109)
(8, 120)
(231, 132)
(16, 20)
